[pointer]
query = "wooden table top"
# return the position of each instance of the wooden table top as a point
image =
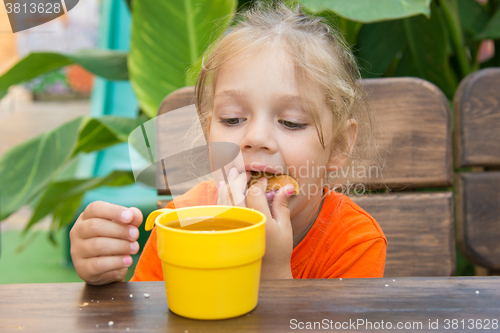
(284, 305)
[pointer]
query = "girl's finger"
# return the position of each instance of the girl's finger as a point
(111, 276)
(138, 217)
(279, 209)
(238, 189)
(222, 195)
(102, 246)
(98, 266)
(234, 194)
(108, 211)
(96, 227)
(232, 175)
(256, 197)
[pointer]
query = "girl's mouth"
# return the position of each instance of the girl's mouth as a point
(274, 182)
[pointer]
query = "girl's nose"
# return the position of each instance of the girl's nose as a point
(259, 135)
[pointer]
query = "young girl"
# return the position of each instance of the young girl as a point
(283, 88)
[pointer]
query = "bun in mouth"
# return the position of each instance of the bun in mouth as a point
(274, 182)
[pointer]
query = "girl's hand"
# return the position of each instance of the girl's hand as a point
(279, 235)
(237, 186)
(102, 240)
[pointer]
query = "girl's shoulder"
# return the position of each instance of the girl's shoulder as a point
(205, 193)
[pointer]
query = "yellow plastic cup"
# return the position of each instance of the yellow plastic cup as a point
(210, 275)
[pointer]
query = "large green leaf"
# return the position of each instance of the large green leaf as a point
(349, 29)
(406, 66)
(130, 4)
(111, 65)
(64, 197)
(427, 40)
(473, 16)
(492, 29)
(27, 169)
(168, 37)
(369, 11)
(378, 44)
(106, 131)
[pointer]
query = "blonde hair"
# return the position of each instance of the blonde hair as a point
(318, 52)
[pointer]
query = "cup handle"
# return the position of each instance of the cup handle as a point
(150, 221)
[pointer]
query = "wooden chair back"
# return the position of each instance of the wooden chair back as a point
(414, 140)
(477, 149)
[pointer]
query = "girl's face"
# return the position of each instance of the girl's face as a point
(257, 105)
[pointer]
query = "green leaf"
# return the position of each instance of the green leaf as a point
(349, 29)
(369, 11)
(168, 37)
(378, 44)
(130, 4)
(473, 16)
(406, 65)
(106, 131)
(426, 40)
(27, 169)
(193, 71)
(110, 65)
(492, 29)
(64, 213)
(62, 197)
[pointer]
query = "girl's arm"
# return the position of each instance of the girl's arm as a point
(102, 240)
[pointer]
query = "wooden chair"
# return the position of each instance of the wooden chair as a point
(477, 147)
(415, 142)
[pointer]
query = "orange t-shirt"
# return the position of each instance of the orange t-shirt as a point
(344, 242)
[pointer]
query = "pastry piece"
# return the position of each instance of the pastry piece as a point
(274, 182)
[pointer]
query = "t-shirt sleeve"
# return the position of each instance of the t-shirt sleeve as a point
(149, 265)
(364, 260)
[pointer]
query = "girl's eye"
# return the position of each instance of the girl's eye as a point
(291, 125)
(231, 121)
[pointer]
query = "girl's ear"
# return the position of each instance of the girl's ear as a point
(339, 159)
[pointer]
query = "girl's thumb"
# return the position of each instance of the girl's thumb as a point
(279, 209)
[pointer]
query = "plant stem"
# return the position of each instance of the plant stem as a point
(413, 48)
(452, 20)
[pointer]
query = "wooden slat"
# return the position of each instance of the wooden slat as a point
(177, 99)
(478, 217)
(413, 133)
(477, 119)
(420, 232)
